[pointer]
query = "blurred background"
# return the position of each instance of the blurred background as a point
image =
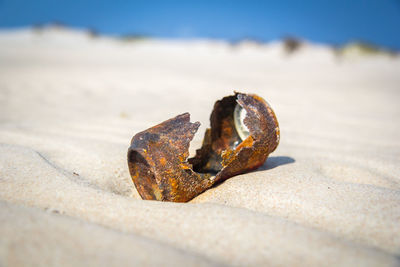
(110, 52)
(332, 22)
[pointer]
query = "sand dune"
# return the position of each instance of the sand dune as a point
(69, 104)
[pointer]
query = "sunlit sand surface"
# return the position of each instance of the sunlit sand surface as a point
(70, 103)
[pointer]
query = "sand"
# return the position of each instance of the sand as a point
(70, 103)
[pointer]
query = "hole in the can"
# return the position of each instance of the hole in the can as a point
(239, 114)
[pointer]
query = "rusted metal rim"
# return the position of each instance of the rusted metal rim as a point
(244, 131)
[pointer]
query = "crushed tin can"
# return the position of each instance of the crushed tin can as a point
(244, 131)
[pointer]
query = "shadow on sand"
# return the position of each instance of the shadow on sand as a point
(273, 162)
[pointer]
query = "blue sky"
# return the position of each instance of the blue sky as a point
(336, 22)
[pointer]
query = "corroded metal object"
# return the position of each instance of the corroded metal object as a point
(244, 131)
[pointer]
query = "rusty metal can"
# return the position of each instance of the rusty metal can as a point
(244, 131)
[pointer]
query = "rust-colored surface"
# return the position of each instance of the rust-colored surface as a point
(158, 157)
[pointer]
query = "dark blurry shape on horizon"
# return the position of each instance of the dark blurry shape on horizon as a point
(292, 44)
(334, 22)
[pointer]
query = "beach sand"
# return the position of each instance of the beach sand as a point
(70, 103)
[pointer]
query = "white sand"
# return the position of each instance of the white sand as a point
(69, 105)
